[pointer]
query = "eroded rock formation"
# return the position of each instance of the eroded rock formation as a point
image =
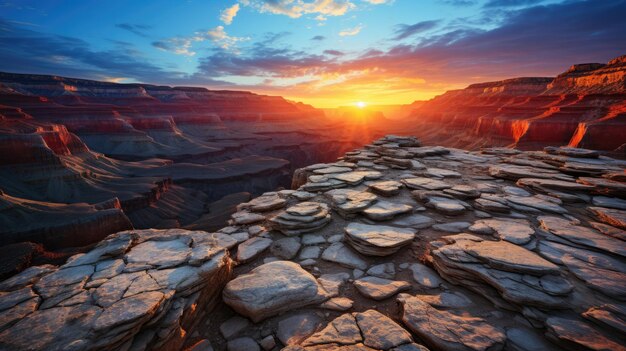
(583, 107)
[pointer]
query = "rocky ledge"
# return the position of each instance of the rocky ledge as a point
(395, 246)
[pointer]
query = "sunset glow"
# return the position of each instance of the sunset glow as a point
(324, 53)
(360, 104)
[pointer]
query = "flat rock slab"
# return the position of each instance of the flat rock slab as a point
(251, 248)
(441, 173)
(341, 254)
(379, 288)
(271, 289)
(425, 276)
(377, 240)
(580, 235)
(293, 330)
(264, 203)
(610, 216)
(440, 202)
(443, 330)
(386, 187)
(416, 221)
(369, 330)
(386, 210)
(516, 231)
(425, 183)
(508, 257)
(575, 334)
(162, 254)
(348, 202)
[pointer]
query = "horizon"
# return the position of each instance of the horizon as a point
(328, 53)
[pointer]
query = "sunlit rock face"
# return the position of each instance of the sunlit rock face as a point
(394, 246)
(583, 107)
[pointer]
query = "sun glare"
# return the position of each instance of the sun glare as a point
(360, 104)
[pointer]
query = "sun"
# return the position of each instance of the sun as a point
(360, 104)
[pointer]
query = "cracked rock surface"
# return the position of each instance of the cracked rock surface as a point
(394, 247)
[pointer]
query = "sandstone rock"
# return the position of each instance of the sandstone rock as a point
(301, 218)
(338, 304)
(271, 289)
(251, 248)
(380, 332)
(425, 276)
(610, 202)
(447, 331)
(348, 202)
(264, 203)
(385, 210)
(386, 188)
(294, 329)
(571, 333)
(286, 248)
(425, 183)
(416, 221)
(379, 288)
(580, 235)
(440, 202)
(616, 218)
(233, 326)
(377, 240)
(385, 270)
(339, 253)
(516, 231)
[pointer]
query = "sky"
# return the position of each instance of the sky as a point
(324, 52)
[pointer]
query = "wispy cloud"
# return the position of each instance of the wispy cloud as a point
(404, 31)
(298, 8)
(351, 31)
(137, 29)
(228, 14)
(379, 2)
(183, 45)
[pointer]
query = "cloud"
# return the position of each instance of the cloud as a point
(297, 8)
(318, 38)
(511, 3)
(379, 2)
(334, 52)
(177, 45)
(28, 51)
(404, 31)
(183, 45)
(351, 31)
(536, 41)
(137, 29)
(228, 14)
(459, 2)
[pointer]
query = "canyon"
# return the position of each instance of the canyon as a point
(582, 107)
(82, 159)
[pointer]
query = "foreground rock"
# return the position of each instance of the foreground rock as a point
(393, 245)
(443, 330)
(377, 240)
(136, 289)
(271, 289)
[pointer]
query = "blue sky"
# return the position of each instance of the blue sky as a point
(325, 52)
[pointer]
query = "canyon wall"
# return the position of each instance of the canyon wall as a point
(583, 107)
(80, 156)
